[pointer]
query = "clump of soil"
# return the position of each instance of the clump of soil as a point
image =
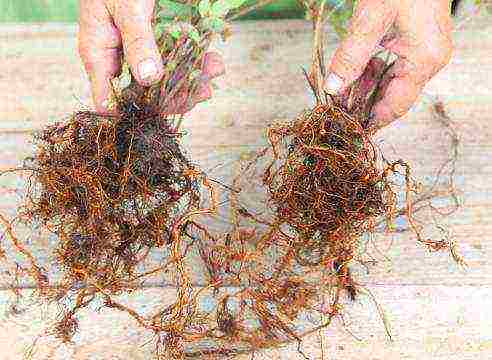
(325, 183)
(109, 188)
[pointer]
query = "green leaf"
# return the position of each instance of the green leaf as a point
(234, 4)
(204, 8)
(175, 33)
(340, 16)
(220, 8)
(218, 25)
(195, 74)
(194, 35)
(214, 24)
(177, 9)
(159, 29)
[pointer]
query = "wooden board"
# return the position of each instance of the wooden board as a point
(436, 310)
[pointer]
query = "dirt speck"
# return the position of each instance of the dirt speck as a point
(258, 52)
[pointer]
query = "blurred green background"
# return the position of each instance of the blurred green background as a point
(66, 10)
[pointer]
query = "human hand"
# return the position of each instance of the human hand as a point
(111, 28)
(421, 40)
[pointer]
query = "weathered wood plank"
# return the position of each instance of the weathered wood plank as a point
(427, 322)
(436, 309)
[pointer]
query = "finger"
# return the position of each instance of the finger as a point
(423, 48)
(421, 56)
(134, 20)
(399, 90)
(404, 82)
(99, 45)
(370, 21)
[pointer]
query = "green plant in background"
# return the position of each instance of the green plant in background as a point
(194, 18)
(38, 10)
(340, 13)
(67, 10)
(183, 31)
(213, 14)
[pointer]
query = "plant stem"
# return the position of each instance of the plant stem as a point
(249, 8)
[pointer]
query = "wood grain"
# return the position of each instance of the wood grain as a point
(436, 309)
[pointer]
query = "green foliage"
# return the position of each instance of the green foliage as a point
(337, 12)
(212, 14)
(159, 29)
(175, 8)
(214, 24)
(211, 17)
(194, 34)
(340, 13)
(67, 10)
(220, 8)
(38, 10)
(204, 8)
(236, 3)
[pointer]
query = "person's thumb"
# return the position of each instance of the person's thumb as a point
(134, 20)
(370, 22)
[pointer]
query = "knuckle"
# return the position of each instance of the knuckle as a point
(400, 109)
(400, 95)
(213, 65)
(133, 20)
(429, 60)
(345, 64)
(134, 43)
